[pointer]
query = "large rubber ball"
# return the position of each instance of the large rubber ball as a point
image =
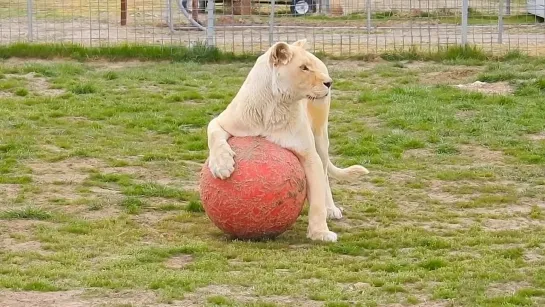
(264, 195)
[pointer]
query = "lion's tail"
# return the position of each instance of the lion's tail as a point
(350, 173)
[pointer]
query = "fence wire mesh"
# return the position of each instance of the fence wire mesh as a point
(341, 27)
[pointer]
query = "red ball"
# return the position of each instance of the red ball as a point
(264, 195)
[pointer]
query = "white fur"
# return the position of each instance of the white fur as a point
(286, 100)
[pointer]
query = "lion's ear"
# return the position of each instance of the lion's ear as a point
(301, 43)
(281, 54)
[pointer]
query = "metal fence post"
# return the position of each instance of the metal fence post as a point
(500, 22)
(465, 11)
(210, 27)
(271, 23)
(368, 10)
(30, 13)
(169, 16)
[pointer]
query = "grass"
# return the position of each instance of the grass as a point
(197, 53)
(200, 53)
(98, 186)
(471, 54)
(29, 213)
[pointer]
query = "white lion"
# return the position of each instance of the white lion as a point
(286, 98)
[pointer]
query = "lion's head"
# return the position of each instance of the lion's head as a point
(298, 73)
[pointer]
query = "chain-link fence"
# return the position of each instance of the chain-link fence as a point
(341, 27)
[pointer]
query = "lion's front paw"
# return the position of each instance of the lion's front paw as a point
(334, 213)
(221, 162)
(326, 236)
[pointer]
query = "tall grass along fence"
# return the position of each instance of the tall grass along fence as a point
(336, 27)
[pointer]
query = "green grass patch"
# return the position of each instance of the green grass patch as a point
(201, 53)
(7, 179)
(198, 53)
(98, 185)
(133, 205)
(28, 213)
(156, 190)
(22, 92)
(85, 88)
(194, 206)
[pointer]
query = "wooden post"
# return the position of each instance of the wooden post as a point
(336, 8)
(123, 12)
(195, 10)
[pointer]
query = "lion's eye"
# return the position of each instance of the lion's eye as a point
(304, 67)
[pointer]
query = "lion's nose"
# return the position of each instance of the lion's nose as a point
(328, 84)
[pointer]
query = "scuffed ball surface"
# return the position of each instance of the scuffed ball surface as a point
(263, 197)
